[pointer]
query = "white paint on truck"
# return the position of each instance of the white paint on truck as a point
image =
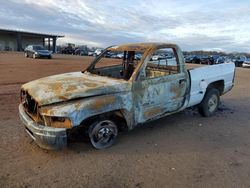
(201, 77)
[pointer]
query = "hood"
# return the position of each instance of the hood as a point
(74, 85)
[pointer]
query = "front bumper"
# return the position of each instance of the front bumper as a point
(43, 55)
(45, 137)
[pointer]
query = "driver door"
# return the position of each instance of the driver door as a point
(161, 88)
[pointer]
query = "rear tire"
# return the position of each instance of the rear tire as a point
(210, 103)
(25, 54)
(34, 56)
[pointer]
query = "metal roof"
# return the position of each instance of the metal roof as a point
(28, 33)
(140, 46)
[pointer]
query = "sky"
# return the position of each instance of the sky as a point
(221, 25)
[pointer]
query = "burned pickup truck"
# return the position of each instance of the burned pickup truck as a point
(113, 94)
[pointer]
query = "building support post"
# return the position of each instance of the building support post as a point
(44, 42)
(19, 42)
(54, 44)
(49, 43)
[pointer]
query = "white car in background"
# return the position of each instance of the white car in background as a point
(157, 57)
(120, 55)
(90, 53)
(98, 52)
(246, 63)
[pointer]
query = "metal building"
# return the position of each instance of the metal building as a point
(13, 40)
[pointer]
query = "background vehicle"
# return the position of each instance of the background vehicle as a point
(68, 50)
(157, 57)
(246, 63)
(213, 59)
(120, 55)
(239, 60)
(81, 52)
(138, 56)
(106, 98)
(37, 51)
(221, 59)
(193, 59)
(189, 58)
(98, 52)
(204, 59)
(91, 53)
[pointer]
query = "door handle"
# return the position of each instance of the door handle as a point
(181, 81)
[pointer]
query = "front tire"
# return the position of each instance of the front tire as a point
(210, 103)
(34, 56)
(103, 133)
(26, 54)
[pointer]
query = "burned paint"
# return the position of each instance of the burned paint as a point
(175, 89)
(154, 111)
(103, 102)
(63, 98)
(64, 124)
(71, 88)
(65, 87)
(77, 106)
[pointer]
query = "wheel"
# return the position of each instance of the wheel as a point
(103, 133)
(34, 56)
(25, 54)
(49, 57)
(210, 103)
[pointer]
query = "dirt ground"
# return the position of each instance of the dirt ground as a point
(181, 150)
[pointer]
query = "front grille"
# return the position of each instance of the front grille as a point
(30, 104)
(31, 107)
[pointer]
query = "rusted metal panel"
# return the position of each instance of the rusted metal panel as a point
(81, 109)
(45, 137)
(69, 86)
(157, 96)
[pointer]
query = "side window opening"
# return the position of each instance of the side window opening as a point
(162, 62)
(117, 64)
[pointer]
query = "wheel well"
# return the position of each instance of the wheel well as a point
(219, 85)
(117, 116)
(75, 134)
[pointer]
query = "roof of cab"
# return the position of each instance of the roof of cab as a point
(138, 46)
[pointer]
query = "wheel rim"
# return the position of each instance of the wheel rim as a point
(103, 134)
(34, 56)
(212, 103)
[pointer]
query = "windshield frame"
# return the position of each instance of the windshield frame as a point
(112, 49)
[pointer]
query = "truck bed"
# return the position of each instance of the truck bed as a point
(201, 77)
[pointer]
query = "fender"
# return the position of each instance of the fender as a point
(81, 109)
